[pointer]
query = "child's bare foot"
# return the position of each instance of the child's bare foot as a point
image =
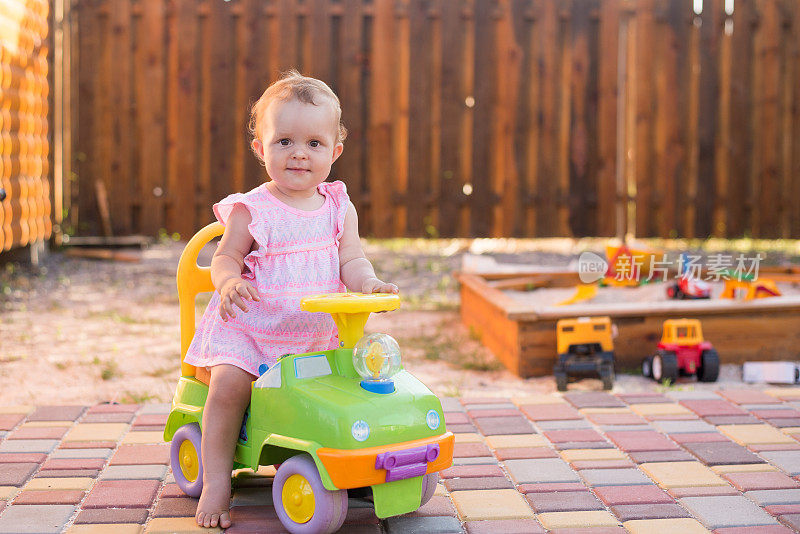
(214, 506)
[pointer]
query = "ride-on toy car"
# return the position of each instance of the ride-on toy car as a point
(682, 349)
(333, 420)
(585, 347)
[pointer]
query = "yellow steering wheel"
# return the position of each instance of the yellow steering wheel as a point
(350, 311)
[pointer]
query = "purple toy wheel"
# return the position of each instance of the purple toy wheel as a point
(302, 503)
(429, 483)
(185, 459)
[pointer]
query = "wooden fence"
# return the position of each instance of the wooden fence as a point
(24, 147)
(466, 117)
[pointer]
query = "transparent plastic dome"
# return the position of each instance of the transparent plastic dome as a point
(376, 357)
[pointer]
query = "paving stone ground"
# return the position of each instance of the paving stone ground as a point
(590, 462)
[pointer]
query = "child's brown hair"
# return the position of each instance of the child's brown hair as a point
(293, 85)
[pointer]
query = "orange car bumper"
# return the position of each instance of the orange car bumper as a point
(358, 468)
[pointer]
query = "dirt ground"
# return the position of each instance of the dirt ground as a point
(85, 331)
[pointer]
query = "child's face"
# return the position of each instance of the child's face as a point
(298, 144)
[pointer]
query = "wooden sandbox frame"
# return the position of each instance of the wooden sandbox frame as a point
(523, 337)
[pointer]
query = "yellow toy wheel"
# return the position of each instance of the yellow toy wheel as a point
(298, 498)
(189, 460)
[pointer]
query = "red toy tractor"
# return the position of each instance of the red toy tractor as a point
(688, 287)
(682, 350)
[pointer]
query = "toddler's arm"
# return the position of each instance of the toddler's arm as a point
(228, 262)
(356, 270)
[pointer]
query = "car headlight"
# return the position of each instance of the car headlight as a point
(433, 420)
(360, 430)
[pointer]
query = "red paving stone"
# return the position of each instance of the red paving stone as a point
(483, 400)
(122, 494)
(454, 418)
(590, 530)
(644, 398)
(112, 515)
(645, 494)
(560, 436)
(151, 419)
(494, 426)
(705, 407)
(593, 399)
(732, 420)
(504, 526)
(43, 432)
(67, 473)
(761, 481)
(466, 471)
(520, 453)
(438, 506)
(508, 412)
(22, 457)
(10, 420)
(550, 487)
(747, 396)
(487, 483)
(776, 414)
(49, 497)
(641, 440)
(781, 509)
(168, 507)
(469, 450)
(571, 501)
(56, 413)
(550, 412)
(172, 490)
(87, 445)
(762, 529)
(74, 463)
(114, 408)
(16, 474)
(630, 512)
(141, 454)
(615, 419)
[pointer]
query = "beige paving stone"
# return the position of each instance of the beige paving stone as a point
(665, 526)
(116, 528)
(491, 504)
(574, 455)
(660, 409)
(148, 436)
(176, 525)
(681, 474)
(541, 398)
(7, 492)
(744, 468)
(65, 483)
(791, 430)
(597, 518)
(97, 432)
(43, 424)
(440, 490)
(468, 437)
(19, 408)
(518, 440)
(750, 434)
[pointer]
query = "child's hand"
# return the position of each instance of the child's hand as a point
(373, 285)
(235, 291)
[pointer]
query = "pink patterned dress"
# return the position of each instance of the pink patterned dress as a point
(295, 254)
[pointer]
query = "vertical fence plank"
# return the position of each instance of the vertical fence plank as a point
(794, 58)
(526, 135)
(380, 171)
(481, 199)
(787, 70)
(564, 97)
(504, 159)
(351, 95)
(708, 113)
(103, 112)
(256, 79)
(150, 99)
(647, 198)
(317, 57)
(607, 117)
(452, 50)
(401, 63)
(583, 119)
(84, 165)
(722, 192)
(419, 145)
(467, 119)
(767, 102)
(182, 104)
(120, 191)
(740, 201)
(221, 89)
(547, 20)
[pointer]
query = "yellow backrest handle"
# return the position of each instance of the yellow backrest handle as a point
(193, 279)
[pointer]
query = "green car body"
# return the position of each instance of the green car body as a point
(311, 401)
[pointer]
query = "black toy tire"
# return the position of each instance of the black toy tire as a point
(608, 380)
(709, 366)
(647, 367)
(561, 382)
(665, 366)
